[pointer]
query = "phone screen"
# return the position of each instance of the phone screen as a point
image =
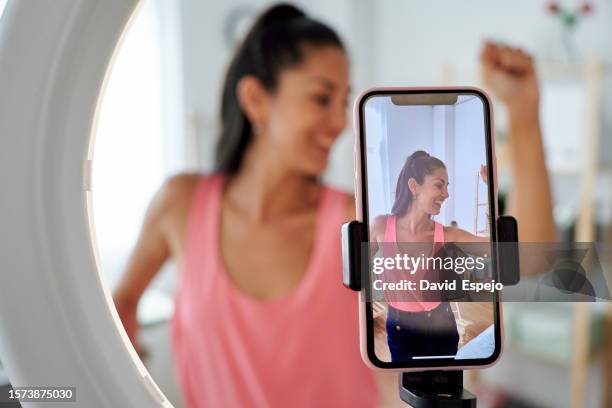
(426, 178)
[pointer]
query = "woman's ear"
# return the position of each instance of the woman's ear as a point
(252, 97)
(412, 186)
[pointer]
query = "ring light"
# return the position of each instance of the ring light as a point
(57, 323)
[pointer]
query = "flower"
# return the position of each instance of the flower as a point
(553, 7)
(586, 8)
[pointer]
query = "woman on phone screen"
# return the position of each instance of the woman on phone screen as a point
(420, 328)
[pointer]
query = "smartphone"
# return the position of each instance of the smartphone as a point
(425, 172)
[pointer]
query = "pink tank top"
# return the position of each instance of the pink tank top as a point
(391, 237)
(301, 350)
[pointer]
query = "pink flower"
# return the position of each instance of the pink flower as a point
(586, 8)
(553, 7)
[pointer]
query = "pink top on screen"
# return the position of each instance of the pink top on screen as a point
(390, 251)
(301, 350)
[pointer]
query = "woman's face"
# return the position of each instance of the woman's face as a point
(307, 110)
(430, 195)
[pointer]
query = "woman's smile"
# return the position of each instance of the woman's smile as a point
(438, 203)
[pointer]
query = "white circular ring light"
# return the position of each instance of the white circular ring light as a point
(57, 325)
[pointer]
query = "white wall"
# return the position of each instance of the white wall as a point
(469, 154)
(409, 128)
(379, 197)
(443, 148)
(417, 38)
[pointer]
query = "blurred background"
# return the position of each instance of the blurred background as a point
(158, 117)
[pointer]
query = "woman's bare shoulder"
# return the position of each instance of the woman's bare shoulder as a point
(452, 233)
(378, 227)
(180, 185)
(380, 220)
(456, 234)
(176, 192)
(169, 209)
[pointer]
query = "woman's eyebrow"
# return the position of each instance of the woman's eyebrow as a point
(330, 85)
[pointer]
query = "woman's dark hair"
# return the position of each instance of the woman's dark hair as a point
(275, 42)
(417, 166)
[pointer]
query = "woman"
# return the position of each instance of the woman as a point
(420, 328)
(261, 317)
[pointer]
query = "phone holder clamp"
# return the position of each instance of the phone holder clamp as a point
(435, 389)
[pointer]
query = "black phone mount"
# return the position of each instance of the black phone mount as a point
(435, 389)
(431, 389)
